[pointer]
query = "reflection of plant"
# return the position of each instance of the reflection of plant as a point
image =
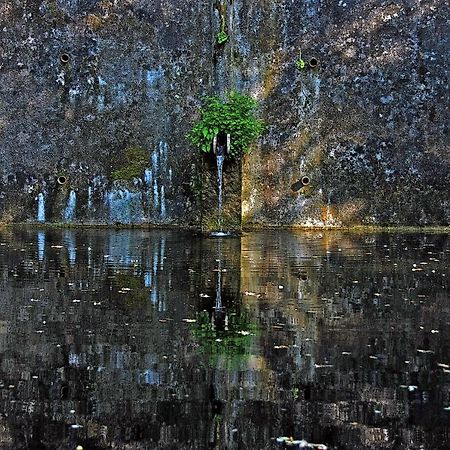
(232, 344)
(235, 116)
(130, 290)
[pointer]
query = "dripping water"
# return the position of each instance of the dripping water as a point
(41, 208)
(220, 159)
(69, 212)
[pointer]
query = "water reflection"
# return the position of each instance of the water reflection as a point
(136, 339)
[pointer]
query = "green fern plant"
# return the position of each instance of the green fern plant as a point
(222, 37)
(300, 64)
(236, 116)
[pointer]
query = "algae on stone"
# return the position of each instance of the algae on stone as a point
(136, 159)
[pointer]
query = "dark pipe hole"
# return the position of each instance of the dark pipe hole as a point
(62, 179)
(64, 58)
(221, 143)
(304, 181)
(222, 139)
(313, 62)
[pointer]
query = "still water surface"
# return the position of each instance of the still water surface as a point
(166, 340)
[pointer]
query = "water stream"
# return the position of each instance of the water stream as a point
(41, 208)
(220, 160)
(69, 212)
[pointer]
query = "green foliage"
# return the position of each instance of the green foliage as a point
(222, 37)
(300, 64)
(235, 116)
(136, 159)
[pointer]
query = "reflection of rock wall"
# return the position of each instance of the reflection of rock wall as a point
(95, 332)
(358, 349)
(367, 125)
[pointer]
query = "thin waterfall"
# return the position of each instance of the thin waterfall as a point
(41, 208)
(220, 160)
(89, 202)
(69, 212)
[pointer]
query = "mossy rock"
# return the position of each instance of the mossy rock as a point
(136, 159)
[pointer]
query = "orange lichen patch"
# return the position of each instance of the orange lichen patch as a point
(316, 157)
(328, 214)
(94, 22)
(272, 76)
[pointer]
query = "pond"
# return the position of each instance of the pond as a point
(138, 339)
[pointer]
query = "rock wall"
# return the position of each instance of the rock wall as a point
(99, 96)
(368, 125)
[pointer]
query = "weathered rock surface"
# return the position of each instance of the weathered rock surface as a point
(83, 81)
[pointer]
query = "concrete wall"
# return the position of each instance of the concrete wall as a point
(368, 126)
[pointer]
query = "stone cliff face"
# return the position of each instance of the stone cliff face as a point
(99, 96)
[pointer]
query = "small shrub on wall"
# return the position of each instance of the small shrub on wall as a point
(236, 116)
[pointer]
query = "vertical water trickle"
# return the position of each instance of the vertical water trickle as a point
(220, 160)
(155, 179)
(124, 206)
(163, 203)
(69, 212)
(89, 192)
(328, 214)
(41, 207)
(163, 148)
(148, 177)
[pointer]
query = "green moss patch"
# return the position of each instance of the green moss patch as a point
(136, 159)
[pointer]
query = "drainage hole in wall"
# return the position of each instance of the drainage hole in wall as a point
(313, 62)
(64, 57)
(62, 179)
